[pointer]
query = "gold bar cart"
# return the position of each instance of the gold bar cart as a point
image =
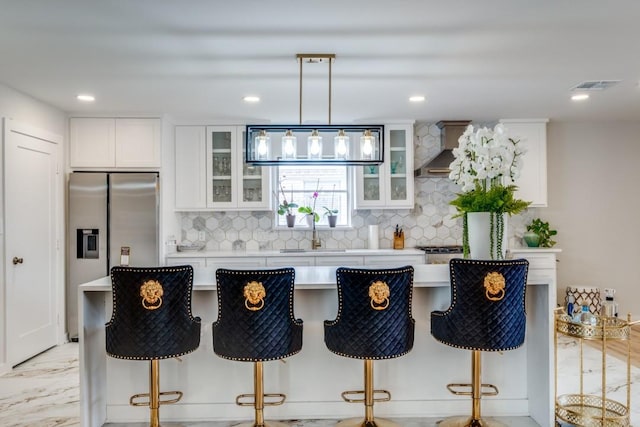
(589, 410)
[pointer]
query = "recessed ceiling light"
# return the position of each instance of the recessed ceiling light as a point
(251, 99)
(579, 97)
(417, 98)
(85, 97)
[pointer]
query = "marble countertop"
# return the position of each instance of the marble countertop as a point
(322, 277)
(427, 275)
(295, 253)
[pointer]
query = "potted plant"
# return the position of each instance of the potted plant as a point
(539, 234)
(310, 212)
(331, 214)
(486, 164)
(286, 208)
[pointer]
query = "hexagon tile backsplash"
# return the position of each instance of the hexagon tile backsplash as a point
(428, 223)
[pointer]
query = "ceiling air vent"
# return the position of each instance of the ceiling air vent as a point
(595, 85)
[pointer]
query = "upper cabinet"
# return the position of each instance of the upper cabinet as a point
(211, 173)
(390, 184)
(114, 143)
(532, 185)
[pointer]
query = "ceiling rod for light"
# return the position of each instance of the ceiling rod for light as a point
(310, 58)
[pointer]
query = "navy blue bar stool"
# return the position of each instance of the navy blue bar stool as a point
(373, 322)
(256, 324)
(152, 320)
(487, 313)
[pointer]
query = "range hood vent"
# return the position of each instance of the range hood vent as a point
(450, 132)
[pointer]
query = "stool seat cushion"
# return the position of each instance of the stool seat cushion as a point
(245, 332)
(361, 331)
(143, 328)
(481, 317)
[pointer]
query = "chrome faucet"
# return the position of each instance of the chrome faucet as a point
(315, 240)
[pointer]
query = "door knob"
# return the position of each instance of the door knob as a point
(17, 260)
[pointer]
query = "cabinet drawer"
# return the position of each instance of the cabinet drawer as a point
(377, 261)
(540, 261)
(236, 263)
(339, 261)
(290, 262)
(194, 262)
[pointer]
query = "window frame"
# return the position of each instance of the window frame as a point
(280, 224)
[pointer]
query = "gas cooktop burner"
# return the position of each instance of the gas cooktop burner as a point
(451, 249)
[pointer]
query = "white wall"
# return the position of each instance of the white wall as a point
(27, 110)
(594, 203)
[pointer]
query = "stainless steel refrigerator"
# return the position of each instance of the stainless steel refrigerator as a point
(113, 220)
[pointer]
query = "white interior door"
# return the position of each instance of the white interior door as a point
(31, 254)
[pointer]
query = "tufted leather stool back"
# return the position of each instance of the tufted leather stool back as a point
(145, 329)
(478, 318)
(363, 332)
(256, 324)
(262, 331)
(487, 313)
(152, 320)
(373, 322)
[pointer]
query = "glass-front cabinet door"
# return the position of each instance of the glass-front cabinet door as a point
(221, 167)
(232, 184)
(254, 183)
(389, 185)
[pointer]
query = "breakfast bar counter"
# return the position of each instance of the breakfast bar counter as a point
(314, 378)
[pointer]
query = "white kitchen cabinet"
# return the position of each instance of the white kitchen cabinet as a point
(114, 142)
(231, 183)
(138, 142)
(194, 262)
(390, 184)
(347, 261)
(290, 262)
(382, 261)
(532, 184)
(247, 263)
(191, 167)
(211, 173)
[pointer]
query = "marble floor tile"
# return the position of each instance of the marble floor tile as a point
(43, 392)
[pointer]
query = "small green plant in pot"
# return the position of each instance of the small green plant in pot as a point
(539, 234)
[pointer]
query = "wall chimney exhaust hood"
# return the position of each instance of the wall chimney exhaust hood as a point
(438, 167)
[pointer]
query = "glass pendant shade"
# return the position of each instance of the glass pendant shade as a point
(289, 145)
(262, 142)
(341, 145)
(367, 144)
(314, 146)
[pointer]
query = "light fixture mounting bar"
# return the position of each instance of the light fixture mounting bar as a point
(315, 58)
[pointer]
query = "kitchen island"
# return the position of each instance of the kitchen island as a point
(314, 378)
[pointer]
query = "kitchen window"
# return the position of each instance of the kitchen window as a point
(299, 184)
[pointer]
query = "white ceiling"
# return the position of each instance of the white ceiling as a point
(478, 60)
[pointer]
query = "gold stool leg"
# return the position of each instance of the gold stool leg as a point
(369, 420)
(154, 393)
(258, 390)
(476, 395)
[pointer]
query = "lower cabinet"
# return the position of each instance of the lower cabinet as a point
(290, 262)
(333, 260)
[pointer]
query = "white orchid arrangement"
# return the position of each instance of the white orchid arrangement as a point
(487, 163)
(486, 158)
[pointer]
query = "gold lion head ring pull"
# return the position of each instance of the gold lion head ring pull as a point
(379, 294)
(494, 285)
(151, 292)
(254, 294)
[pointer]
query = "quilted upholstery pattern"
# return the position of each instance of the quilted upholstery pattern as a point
(137, 333)
(267, 334)
(472, 321)
(361, 332)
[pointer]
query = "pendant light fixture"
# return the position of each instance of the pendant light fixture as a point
(260, 150)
